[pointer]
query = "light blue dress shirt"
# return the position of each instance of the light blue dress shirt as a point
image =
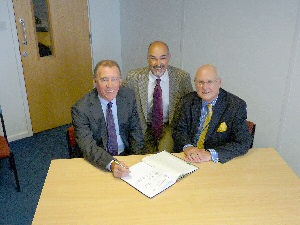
(114, 108)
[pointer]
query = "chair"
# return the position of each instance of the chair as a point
(74, 151)
(5, 152)
(252, 130)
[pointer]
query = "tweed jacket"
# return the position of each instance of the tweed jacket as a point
(138, 79)
(230, 142)
(90, 126)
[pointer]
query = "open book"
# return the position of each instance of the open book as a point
(158, 172)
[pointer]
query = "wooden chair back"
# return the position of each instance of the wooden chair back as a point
(73, 148)
(252, 127)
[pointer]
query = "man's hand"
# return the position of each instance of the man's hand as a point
(119, 169)
(196, 155)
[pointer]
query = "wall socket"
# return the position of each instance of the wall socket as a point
(2, 25)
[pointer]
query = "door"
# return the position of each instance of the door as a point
(56, 58)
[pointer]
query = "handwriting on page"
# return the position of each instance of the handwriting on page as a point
(153, 181)
(147, 179)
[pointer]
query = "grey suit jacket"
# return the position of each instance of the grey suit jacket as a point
(180, 85)
(91, 131)
(235, 141)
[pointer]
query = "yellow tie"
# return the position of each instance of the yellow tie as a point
(205, 127)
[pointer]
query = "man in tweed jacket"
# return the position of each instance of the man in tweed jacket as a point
(227, 134)
(175, 84)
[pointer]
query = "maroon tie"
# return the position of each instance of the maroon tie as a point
(157, 113)
(112, 143)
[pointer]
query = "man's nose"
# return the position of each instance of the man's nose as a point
(158, 62)
(109, 83)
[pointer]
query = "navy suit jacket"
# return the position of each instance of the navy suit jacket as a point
(232, 110)
(90, 126)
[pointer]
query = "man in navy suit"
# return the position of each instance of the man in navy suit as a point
(90, 120)
(227, 133)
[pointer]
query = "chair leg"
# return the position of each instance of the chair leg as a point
(14, 167)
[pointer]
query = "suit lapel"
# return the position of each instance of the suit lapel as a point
(143, 92)
(196, 113)
(218, 111)
(122, 107)
(173, 88)
(97, 112)
(95, 106)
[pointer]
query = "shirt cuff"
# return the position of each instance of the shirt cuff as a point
(108, 166)
(186, 146)
(214, 155)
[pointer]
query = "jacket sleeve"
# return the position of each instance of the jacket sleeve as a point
(85, 137)
(182, 128)
(239, 140)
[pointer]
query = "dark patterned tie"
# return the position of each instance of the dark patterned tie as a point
(112, 143)
(157, 113)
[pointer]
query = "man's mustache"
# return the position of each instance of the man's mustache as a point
(161, 66)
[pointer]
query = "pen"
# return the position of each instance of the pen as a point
(117, 162)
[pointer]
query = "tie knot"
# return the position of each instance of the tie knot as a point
(158, 81)
(109, 105)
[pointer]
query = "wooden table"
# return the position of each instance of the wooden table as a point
(258, 188)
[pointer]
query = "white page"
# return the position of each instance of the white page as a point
(172, 165)
(147, 179)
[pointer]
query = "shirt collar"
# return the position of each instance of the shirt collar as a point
(204, 103)
(105, 102)
(164, 78)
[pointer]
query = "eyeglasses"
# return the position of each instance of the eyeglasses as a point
(106, 79)
(208, 83)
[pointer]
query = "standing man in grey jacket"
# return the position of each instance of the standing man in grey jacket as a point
(174, 82)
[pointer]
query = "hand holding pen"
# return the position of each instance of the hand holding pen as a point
(119, 169)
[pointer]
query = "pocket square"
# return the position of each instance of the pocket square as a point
(222, 127)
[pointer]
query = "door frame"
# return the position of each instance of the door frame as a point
(21, 85)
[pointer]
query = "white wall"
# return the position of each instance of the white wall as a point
(143, 22)
(13, 98)
(288, 135)
(105, 27)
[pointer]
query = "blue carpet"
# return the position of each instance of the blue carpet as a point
(33, 156)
